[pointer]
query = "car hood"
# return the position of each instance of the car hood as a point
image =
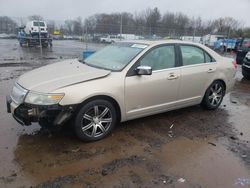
(57, 75)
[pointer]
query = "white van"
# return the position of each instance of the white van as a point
(32, 27)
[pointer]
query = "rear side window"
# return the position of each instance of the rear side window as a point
(192, 55)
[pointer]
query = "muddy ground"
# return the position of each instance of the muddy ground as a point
(189, 148)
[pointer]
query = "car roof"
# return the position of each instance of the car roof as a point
(158, 42)
(170, 41)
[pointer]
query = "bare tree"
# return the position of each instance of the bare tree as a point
(77, 26)
(150, 22)
(51, 26)
(7, 25)
(35, 17)
(68, 27)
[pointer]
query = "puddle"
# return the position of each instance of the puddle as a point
(139, 153)
(202, 163)
(239, 113)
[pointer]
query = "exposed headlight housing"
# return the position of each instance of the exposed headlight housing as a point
(18, 94)
(43, 99)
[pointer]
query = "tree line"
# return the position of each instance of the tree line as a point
(148, 22)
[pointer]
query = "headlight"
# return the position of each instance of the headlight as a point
(42, 98)
(18, 94)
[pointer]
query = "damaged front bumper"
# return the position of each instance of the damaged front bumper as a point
(25, 113)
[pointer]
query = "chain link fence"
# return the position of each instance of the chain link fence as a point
(77, 30)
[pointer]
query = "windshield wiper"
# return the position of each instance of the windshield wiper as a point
(81, 61)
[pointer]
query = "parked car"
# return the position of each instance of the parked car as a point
(243, 50)
(246, 66)
(110, 39)
(121, 82)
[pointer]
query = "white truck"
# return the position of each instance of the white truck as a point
(110, 39)
(32, 27)
(209, 39)
(34, 33)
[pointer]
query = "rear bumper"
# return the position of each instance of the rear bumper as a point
(25, 114)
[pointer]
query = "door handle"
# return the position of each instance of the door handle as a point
(211, 70)
(172, 77)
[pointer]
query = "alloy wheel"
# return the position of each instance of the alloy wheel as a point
(215, 94)
(96, 121)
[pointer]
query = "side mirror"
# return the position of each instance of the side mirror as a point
(144, 70)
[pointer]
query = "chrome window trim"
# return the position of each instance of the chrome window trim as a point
(199, 64)
(161, 70)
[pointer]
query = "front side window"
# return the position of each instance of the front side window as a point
(208, 58)
(192, 55)
(160, 58)
(115, 57)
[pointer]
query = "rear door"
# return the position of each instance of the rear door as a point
(197, 73)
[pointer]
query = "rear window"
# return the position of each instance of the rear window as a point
(39, 24)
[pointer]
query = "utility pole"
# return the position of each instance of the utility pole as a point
(121, 28)
(86, 38)
(40, 41)
(194, 33)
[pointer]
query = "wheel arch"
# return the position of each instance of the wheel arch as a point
(218, 79)
(204, 102)
(104, 97)
(223, 82)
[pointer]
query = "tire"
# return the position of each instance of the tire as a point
(95, 120)
(245, 75)
(214, 95)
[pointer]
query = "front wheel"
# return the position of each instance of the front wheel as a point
(95, 120)
(213, 96)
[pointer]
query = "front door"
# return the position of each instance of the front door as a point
(150, 94)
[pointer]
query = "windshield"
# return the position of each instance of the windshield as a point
(115, 57)
(39, 23)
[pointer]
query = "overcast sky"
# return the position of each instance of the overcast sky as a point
(68, 9)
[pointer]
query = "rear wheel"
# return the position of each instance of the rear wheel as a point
(95, 120)
(214, 95)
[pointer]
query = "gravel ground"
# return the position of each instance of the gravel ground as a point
(205, 148)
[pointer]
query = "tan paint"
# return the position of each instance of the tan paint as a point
(137, 96)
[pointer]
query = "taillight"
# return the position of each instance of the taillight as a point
(234, 64)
